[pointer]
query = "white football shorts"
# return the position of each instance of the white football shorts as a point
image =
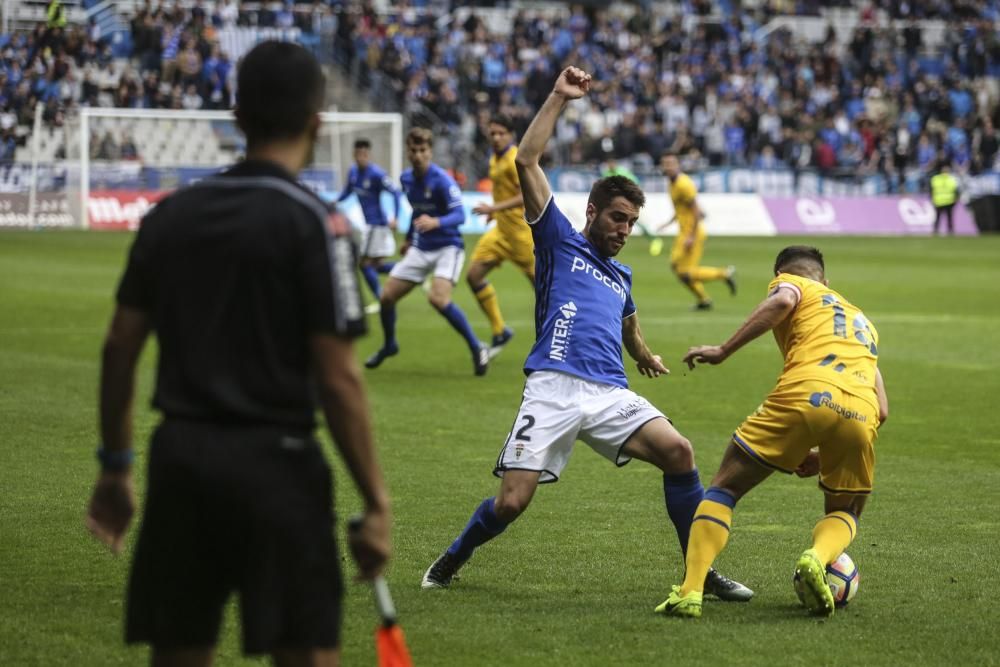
(557, 410)
(377, 242)
(417, 264)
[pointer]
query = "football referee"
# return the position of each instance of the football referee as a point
(248, 281)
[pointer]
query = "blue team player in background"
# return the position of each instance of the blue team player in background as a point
(433, 247)
(367, 181)
(577, 387)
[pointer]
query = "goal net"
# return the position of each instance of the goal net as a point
(119, 162)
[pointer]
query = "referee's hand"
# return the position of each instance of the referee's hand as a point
(111, 508)
(370, 542)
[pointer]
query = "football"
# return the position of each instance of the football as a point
(842, 576)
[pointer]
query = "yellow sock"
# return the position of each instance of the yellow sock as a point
(708, 273)
(832, 535)
(709, 534)
(488, 301)
(698, 288)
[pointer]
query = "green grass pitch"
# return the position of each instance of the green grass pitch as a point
(574, 582)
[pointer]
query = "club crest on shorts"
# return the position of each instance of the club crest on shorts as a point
(518, 449)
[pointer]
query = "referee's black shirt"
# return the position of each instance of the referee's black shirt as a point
(235, 272)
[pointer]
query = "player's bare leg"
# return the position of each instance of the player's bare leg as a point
(516, 491)
(489, 520)
(393, 290)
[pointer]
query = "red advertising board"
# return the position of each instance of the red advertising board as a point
(120, 209)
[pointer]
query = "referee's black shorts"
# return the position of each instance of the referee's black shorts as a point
(245, 509)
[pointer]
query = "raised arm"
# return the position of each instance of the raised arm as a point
(572, 84)
(768, 314)
(649, 364)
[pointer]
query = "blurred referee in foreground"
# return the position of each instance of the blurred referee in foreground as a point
(248, 281)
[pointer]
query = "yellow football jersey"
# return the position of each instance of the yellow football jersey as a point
(827, 338)
(503, 174)
(682, 194)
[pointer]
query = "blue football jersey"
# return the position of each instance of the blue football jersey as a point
(580, 301)
(368, 185)
(435, 194)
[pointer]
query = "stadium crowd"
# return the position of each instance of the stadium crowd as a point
(176, 63)
(708, 90)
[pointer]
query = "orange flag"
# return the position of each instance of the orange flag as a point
(389, 641)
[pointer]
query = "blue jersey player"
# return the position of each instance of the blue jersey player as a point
(366, 180)
(576, 387)
(433, 247)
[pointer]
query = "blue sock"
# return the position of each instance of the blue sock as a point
(371, 277)
(385, 267)
(456, 318)
(682, 493)
(483, 526)
(388, 317)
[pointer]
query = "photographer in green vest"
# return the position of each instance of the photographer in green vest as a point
(944, 194)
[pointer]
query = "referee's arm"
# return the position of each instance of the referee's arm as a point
(344, 401)
(112, 502)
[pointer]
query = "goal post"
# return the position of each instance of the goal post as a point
(120, 161)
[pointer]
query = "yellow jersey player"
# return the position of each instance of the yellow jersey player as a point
(823, 416)
(509, 239)
(690, 241)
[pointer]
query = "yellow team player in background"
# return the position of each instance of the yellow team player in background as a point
(823, 416)
(690, 241)
(510, 239)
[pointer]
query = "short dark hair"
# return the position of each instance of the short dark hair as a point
(280, 86)
(362, 143)
(798, 255)
(420, 136)
(503, 120)
(606, 189)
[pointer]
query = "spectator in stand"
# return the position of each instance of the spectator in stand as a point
(128, 149)
(189, 63)
(985, 144)
(191, 100)
(8, 145)
(227, 13)
(107, 148)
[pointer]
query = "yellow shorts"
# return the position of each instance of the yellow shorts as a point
(494, 247)
(682, 259)
(795, 418)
